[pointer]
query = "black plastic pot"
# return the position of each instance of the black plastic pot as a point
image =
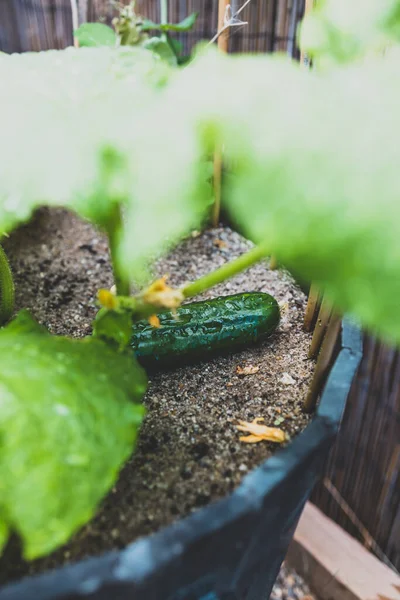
(230, 550)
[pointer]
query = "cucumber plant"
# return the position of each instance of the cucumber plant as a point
(130, 29)
(313, 181)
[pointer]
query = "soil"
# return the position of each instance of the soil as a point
(189, 452)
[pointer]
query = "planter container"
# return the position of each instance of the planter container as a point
(229, 550)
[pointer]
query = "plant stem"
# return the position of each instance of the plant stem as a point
(6, 289)
(114, 232)
(226, 271)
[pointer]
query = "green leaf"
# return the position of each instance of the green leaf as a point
(95, 34)
(317, 178)
(69, 416)
(4, 534)
(114, 328)
(176, 45)
(184, 25)
(162, 49)
(337, 31)
(85, 98)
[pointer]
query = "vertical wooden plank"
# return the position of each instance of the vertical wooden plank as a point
(280, 26)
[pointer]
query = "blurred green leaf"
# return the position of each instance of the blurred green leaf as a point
(177, 46)
(69, 416)
(184, 25)
(162, 48)
(73, 145)
(95, 34)
(317, 178)
(337, 32)
(114, 328)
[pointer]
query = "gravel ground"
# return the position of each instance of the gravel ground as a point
(290, 586)
(189, 453)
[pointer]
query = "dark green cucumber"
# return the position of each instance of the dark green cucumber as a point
(202, 329)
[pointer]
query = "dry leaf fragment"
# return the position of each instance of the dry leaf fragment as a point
(160, 294)
(249, 370)
(284, 308)
(258, 432)
(154, 321)
(219, 243)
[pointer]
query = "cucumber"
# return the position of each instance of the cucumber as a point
(203, 329)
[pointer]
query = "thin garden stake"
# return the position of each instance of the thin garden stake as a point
(314, 295)
(324, 362)
(222, 40)
(226, 20)
(320, 328)
(75, 20)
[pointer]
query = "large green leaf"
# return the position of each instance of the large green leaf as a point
(318, 178)
(69, 416)
(95, 34)
(61, 112)
(83, 143)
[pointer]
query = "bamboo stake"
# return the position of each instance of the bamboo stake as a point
(223, 38)
(314, 296)
(75, 20)
(312, 307)
(222, 41)
(323, 363)
(324, 316)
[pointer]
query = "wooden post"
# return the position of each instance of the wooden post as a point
(223, 41)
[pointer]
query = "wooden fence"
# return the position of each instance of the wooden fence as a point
(42, 24)
(361, 489)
